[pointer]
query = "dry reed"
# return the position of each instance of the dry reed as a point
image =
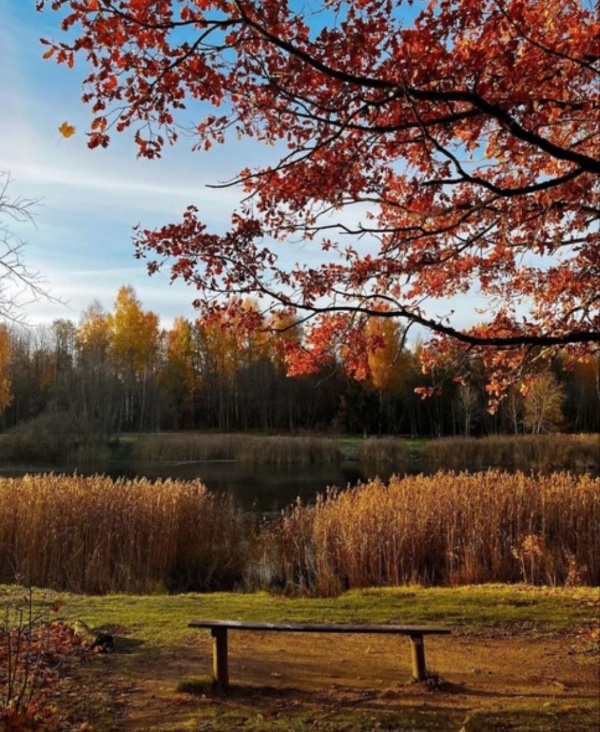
(97, 535)
(248, 448)
(383, 450)
(444, 529)
(187, 446)
(539, 452)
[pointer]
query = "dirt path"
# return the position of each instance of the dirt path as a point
(329, 672)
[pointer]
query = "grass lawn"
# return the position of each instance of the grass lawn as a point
(474, 610)
(520, 659)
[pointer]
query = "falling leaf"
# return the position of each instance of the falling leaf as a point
(66, 130)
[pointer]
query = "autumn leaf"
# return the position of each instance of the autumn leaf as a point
(66, 130)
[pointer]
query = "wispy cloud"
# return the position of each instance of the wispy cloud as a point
(89, 200)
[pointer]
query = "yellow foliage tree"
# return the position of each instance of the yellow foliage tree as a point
(543, 404)
(93, 334)
(388, 367)
(385, 360)
(179, 375)
(134, 334)
(5, 352)
(134, 339)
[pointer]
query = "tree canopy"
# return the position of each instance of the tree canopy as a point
(423, 150)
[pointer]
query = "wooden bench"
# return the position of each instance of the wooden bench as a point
(219, 628)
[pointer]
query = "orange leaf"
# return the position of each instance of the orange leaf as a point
(66, 130)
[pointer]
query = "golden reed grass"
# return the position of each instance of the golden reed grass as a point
(97, 535)
(444, 529)
(383, 450)
(540, 452)
(249, 448)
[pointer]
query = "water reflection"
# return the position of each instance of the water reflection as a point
(264, 488)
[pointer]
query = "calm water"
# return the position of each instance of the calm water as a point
(264, 488)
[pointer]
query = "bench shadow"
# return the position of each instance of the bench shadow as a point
(204, 686)
(125, 645)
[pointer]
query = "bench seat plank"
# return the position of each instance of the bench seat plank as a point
(318, 627)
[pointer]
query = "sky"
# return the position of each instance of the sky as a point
(88, 201)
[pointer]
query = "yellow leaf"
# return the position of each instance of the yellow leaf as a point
(66, 130)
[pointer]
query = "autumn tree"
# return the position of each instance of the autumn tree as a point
(179, 376)
(422, 150)
(468, 405)
(5, 353)
(134, 345)
(98, 388)
(63, 356)
(234, 365)
(386, 362)
(288, 393)
(543, 404)
(512, 409)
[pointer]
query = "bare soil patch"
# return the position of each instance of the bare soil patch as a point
(274, 676)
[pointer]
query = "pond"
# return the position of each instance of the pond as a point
(263, 488)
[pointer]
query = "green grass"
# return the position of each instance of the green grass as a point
(162, 620)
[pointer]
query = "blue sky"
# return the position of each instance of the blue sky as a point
(89, 200)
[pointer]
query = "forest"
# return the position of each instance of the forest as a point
(122, 371)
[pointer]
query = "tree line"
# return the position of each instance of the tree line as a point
(120, 371)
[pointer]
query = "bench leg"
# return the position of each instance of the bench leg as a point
(419, 669)
(220, 660)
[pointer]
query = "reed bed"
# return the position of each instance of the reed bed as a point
(248, 448)
(383, 450)
(288, 450)
(187, 446)
(96, 535)
(446, 529)
(539, 452)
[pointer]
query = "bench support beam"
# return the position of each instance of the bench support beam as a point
(417, 647)
(220, 659)
(219, 628)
